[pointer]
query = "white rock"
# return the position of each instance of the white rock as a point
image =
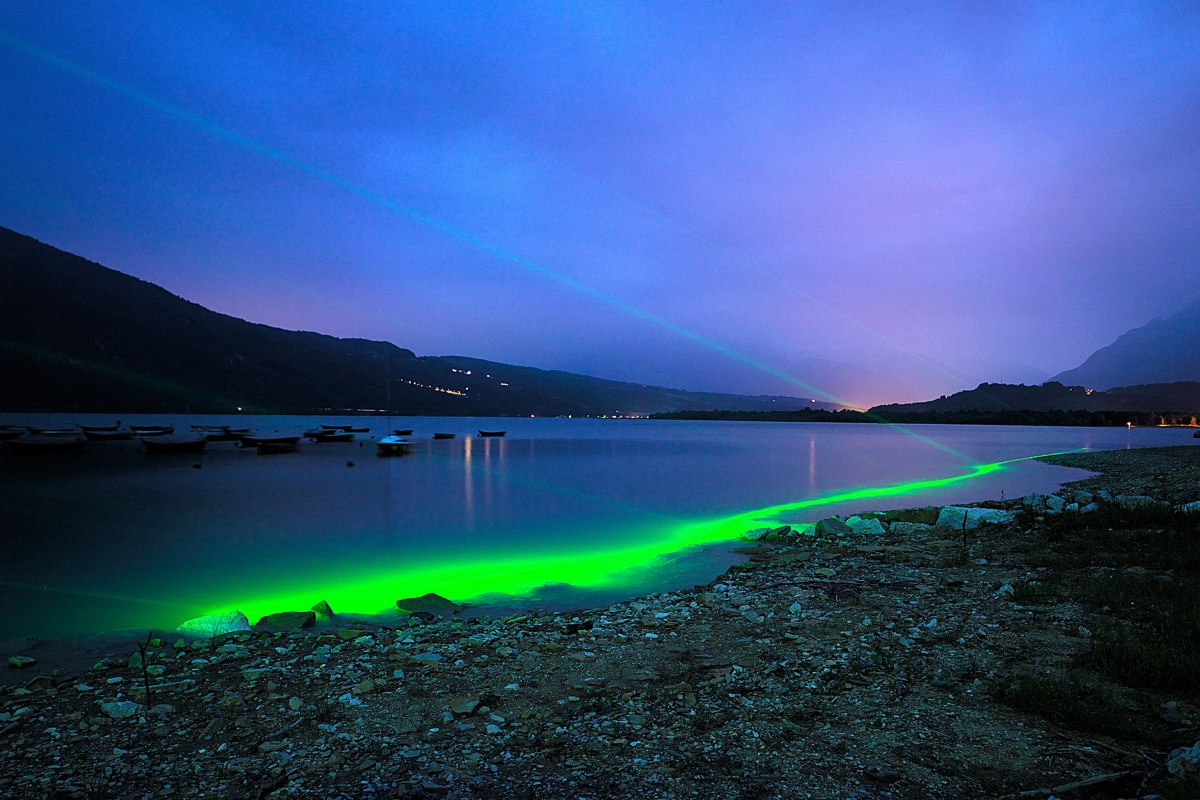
(1193, 507)
(754, 535)
(865, 527)
(1054, 503)
(211, 625)
(952, 517)
(121, 709)
(1184, 761)
(909, 528)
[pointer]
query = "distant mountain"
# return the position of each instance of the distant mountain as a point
(77, 336)
(1183, 396)
(1163, 351)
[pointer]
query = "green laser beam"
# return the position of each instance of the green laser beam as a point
(518, 574)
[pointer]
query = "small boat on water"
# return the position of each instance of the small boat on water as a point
(210, 428)
(107, 436)
(326, 435)
(486, 434)
(34, 443)
(11, 432)
(152, 430)
(54, 431)
(402, 433)
(357, 430)
(101, 428)
(336, 427)
(393, 446)
(272, 447)
(444, 435)
(174, 444)
(248, 440)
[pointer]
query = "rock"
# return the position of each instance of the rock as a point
(1192, 507)
(295, 703)
(1054, 503)
(1071, 508)
(464, 705)
(433, 603)
(1034, 502)
(492, 729)
(350, 634)
(366, 687)
(778, 534)
(1089, 508)
(272, 747)
(1132, 501)
(427, 658)
(1005, 591)
(865, 527)
(135, 661)
(754, 535)
(832, 526)
(1184, 761)
(162, 709)
(909, 528)
(120, 709)
(882, 774)
(21, 662)
(288, 621)
(952, 517)
(322, 610)
(826, 572)
(1082, 498)
(211, 625)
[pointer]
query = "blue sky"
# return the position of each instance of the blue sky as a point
(877, 201)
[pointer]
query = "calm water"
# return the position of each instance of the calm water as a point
(116, 538)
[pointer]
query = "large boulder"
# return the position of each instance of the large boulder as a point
(211, 625)
(1135, 501)
(433, 603)
(953, 517)
(288, 621)
(909, 528)
(832, 526)
(867, 527)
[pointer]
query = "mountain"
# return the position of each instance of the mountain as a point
(1163, 351)
(77, 336)
(1182, 396)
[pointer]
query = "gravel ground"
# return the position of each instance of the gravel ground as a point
(825, 669)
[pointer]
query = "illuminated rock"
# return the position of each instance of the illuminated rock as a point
(869, 527)
(953, 516)
(212, 625)
(322, 610)
(288, 621)
(433, 603)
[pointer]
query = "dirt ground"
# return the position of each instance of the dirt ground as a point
(1010, 660)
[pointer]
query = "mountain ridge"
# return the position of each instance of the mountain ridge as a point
(78, 336)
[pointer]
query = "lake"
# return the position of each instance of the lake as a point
(560, 513)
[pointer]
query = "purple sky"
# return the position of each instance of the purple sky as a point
(878, 202)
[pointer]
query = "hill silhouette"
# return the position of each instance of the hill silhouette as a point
(78, 336)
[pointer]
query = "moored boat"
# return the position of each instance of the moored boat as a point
(101, 428)
(152, 430)
(255, 440)
(486, 434)
(54, 431)
(444, 435)
(11, 432)
(402, 433)
(336, 427)
(34, 443)
(173, 444)
(326, 435)
(278, 446)
(393, 446)
(106, 436)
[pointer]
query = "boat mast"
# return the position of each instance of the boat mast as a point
(388, 354)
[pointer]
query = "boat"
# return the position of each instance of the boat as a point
(357, 430)
(174, 444)
(152, 430)
(34, 443)
(267, 448)
(101, 428)
(444, 435)
(54, 431)
(248, 440)
(326, 435)
(402, 433)
(210, 428)
(486, 434)
(106, 436)
(11, 432)
(336, 427)
(393, 446)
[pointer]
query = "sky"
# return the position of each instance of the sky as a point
(863, 202)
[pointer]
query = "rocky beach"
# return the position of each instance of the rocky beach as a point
(1022, 648)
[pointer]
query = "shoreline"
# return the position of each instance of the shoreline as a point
(831, 666)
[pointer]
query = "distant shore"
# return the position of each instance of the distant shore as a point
(1078, 418)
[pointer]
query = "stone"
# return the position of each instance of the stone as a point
(366, 687)
(135, 661)
(162, 709)
(464, 705)
(1184, 761)
(295, 703)
(1071, 508)
(832, 526)
(1089, 508)
(1054, 503)
(754, 535)
(433, 603)
(350, 634)
(120, 709)
(909, 528)
(288, 621)
(825, 572)
(492, 729)
(211, 625)
(21, 662)
(952, 517)
(427, 658)
(322, 610)
(1135, 501)
(778, 534)
(1082, 497)
(865, 527)
(1191, 508)
(1034, 502)
(272, 747)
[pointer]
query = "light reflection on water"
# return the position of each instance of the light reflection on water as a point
(115, 538)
